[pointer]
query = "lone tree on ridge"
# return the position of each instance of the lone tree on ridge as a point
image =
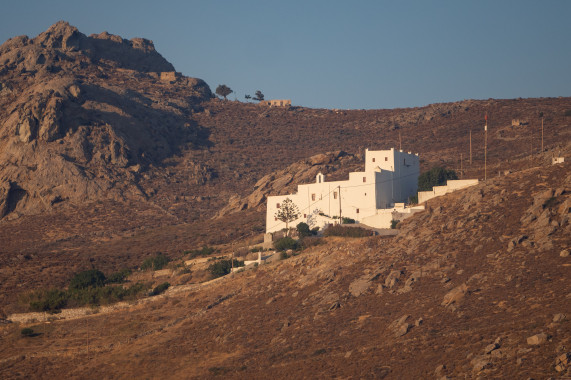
(223, 90)
(258, 96)
(287, 213)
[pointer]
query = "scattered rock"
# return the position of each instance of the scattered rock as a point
(491, 347)
(456, 295)
(562, 361)
(564, 253)
(537, 339)
(480, 363)
(559, 318)
(359, 286)
(393, 278)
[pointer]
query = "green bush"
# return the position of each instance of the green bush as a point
(48, 300)
(348, 220)
(303, 229)
(283, 255)
(286, 243)
(27, 332)
(436, 176)
(118, 277)
(338, 230)
(223, 267)
(53, 300)
(155, 263)
(86, 279)
(413, 199)
(394, 224)
(160, 289)
(205, 251)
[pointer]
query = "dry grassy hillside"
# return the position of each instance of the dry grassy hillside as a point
(460, 292)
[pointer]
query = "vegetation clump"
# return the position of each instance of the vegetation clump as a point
(339, 230)
(161, 288)
(223, 267)
(203, 252)
(27, 332)
(85, 288)
(91, 278)
(436, 176)
(157, 262)
(118, 277)
(286, 243)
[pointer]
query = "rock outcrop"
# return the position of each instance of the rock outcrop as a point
(76, 123)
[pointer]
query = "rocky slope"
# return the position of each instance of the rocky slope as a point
(477, 286)
(81, 116)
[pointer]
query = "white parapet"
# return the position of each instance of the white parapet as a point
(451, 186)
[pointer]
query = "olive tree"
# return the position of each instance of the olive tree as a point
(223, 90)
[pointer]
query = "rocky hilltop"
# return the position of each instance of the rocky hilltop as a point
(82, 116)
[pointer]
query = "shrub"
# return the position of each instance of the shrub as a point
(348, 220)
(205, 251)
(283, 256)
(413, 199)
(89, 278)
(155, 263)
(394, 224)
(436, 176)
(27, 332)
(160, 289)
(339, 230)
(303, 229)
(48, 300)
(285, 243)
(118, 277)
(223, 267)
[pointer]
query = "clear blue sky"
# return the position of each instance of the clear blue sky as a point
(339, 54)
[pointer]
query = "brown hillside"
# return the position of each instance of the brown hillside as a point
(104, 161)
(477, 286)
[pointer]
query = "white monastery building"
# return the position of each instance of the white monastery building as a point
(373, 197)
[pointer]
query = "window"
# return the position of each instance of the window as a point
(373, 159)
(365, 194)
(357, 211)
(276, 219)
(386, 158)
(364, 179)
(277, 205)
(305, 215)
(334, 195)
(312, 197)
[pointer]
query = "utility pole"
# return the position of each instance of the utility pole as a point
(486, 148)
(400, 141)
(87, 324)
(340, 218)
(470, 147)
(460, 165)
(541, 114)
